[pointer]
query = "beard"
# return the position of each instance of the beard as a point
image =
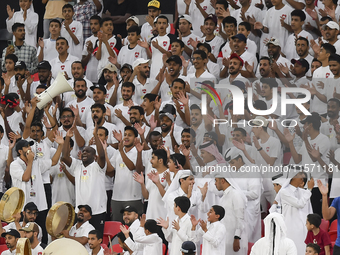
(80, 219)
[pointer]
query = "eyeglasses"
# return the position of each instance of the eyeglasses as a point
(67, 116)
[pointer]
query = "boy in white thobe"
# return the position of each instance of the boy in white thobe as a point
(213, 233)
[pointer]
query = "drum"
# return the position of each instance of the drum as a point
(60, 217)
(65, 246)
(23, 247)
(11, 203)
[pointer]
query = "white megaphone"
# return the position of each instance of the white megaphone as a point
(59, 86)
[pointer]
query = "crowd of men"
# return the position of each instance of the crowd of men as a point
(189, 133)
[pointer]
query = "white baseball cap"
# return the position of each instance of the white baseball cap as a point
(139, 61)
(134, 18)
(186, 17)
(260, 121)
(333, 25)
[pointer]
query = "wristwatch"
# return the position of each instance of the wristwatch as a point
(237, 237)
(260, 149)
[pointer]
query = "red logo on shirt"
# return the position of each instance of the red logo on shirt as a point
(112, 44)
(190, 156)
(327, 75)
(18, 92)
(283, 16)
(267, 149)
(205, 7)
(82, 109)
(165, 43)
(144, 91)
(314, 145)
(330, 130)
(136, 54)
(73, 29)
(163, 142)
(60, 169)
(39, 253)
(39, 149)
(188, 42)
(62, 67)
(84, 172)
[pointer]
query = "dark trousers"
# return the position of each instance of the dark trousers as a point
(48, 194)
(98, 221)
(336, 250)
(41, 221)
(316, 200)
(108, 205)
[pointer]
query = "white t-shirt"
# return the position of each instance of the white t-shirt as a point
(128, 55)
(62, 188)
(50, 51)
(77, 29)
(83, 230)
(197, 17)
(89, 182)
(272, 22)
(141, 90)
(13, 226)
(38, 250)
(58, 66)
(34, 188)
(91, 69)
(109, 126)
(146, 31)
(185, 40)
(87, 102)
(31, 25)
(290, 48)
(104, 60)
(317, 171)
(320, 74)
(179, 121)
(215, 45)
(157, 56)
(125, 187)
(70, 95)
(125, 112)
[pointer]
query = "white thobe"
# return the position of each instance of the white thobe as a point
(176, 238)
(234, 221)
(214, 240)
(293, 202)
(151, 244)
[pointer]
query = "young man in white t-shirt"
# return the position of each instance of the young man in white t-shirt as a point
(275, 24)
(63, 62)
(154, 188)
(331, 35)
(210, 23)
(161, 44)
(95, 239)
(298, 18)
(88, 58)
(129, 53)
(107, 46)
(185, 34)
(320, 76)
(47, 50)
(125, 191)
(72, 30)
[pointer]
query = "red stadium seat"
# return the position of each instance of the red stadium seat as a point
(334, 226)
(117, 248)
(249, 247)
(164, 249)
(104, 246)
(324, 225)
(111, 229)
(333, 235)
(3, 247)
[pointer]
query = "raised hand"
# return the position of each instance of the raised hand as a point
(203, 225)
(154, 177)
(183, 98)
(139, 129)
(157, 103)
(194, 221)
(142, 220)
(11, 144)
(10, 12)
(289, 137)
(41, 42)
(204, 189)
(124, 230)
(314, 152)
(258, 25)
(323, 189)
(75, 110)
(184, 150)
(260, 5)
(138, 145)
(118, 136)
(58, 138)
(113, 59)
(175, 224)
(13, 136)
(256, 143)
(152, 122)
(239, 145)
(163, 223)
(138, 177)
(143, 44)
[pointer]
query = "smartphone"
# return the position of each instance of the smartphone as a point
(9, 42)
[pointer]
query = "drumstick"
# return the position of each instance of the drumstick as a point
(110, 245)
